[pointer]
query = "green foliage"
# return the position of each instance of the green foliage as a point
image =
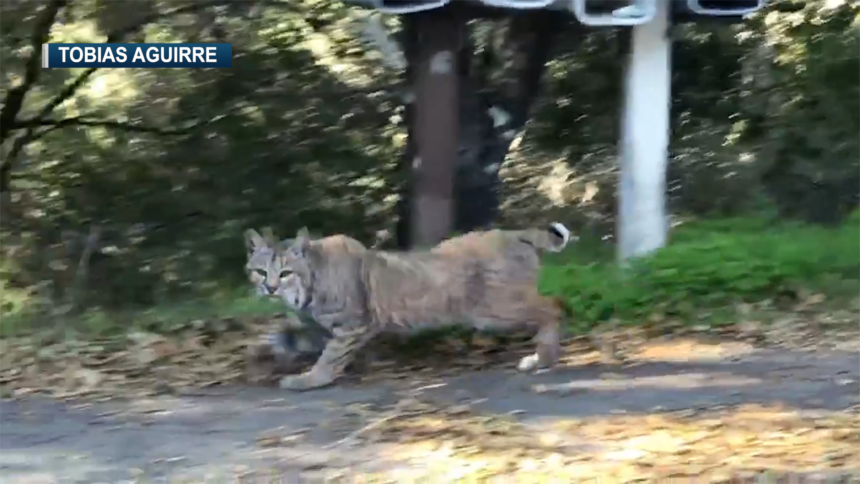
(808, 113)
(711, 266)
(304, 131)
(286, 140)
(196, 313)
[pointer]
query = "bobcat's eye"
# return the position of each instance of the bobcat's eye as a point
(260, 272)
(285, 273)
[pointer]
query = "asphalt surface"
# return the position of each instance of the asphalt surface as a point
(216, 435)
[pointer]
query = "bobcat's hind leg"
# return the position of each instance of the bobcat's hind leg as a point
(338, 353)
(547, 352)
(547, 314)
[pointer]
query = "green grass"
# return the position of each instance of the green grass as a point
(710, 267)
(707, 269)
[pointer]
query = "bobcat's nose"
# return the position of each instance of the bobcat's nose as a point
(270, 290)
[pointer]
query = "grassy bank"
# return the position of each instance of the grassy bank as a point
(709, 269)
(706, 272)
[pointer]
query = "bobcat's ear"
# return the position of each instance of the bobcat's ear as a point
(269, 236)
(254, 240)
(301, 242)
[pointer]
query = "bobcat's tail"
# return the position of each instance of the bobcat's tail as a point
(559, 236)
(553, 239)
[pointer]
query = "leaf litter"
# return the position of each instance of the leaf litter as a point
(741, 444)
(134, 364)
(458, 443)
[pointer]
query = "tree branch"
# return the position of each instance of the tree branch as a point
(15, 97)
(104, 123)
(117, 36)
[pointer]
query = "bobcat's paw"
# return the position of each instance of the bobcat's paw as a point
(305, 381)
(528, 363)
(533, 363)
(275, 341)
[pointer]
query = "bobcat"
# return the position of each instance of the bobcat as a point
(484, 279)
(520, 249)
(298, 339)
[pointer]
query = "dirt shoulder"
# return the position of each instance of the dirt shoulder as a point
(671, 411)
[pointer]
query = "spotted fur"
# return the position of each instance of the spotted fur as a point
(486, 280)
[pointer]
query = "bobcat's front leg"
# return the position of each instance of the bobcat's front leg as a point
(338, 353)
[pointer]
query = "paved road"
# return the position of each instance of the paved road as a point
(217, 434)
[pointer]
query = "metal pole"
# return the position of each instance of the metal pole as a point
(642, 218)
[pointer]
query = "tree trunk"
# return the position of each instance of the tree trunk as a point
(491, 115)
(436, 123)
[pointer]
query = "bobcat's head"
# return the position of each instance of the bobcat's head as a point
(280, 269)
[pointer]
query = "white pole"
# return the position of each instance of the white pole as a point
(642, 219)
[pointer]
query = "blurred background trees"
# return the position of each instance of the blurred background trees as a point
(125, 188)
